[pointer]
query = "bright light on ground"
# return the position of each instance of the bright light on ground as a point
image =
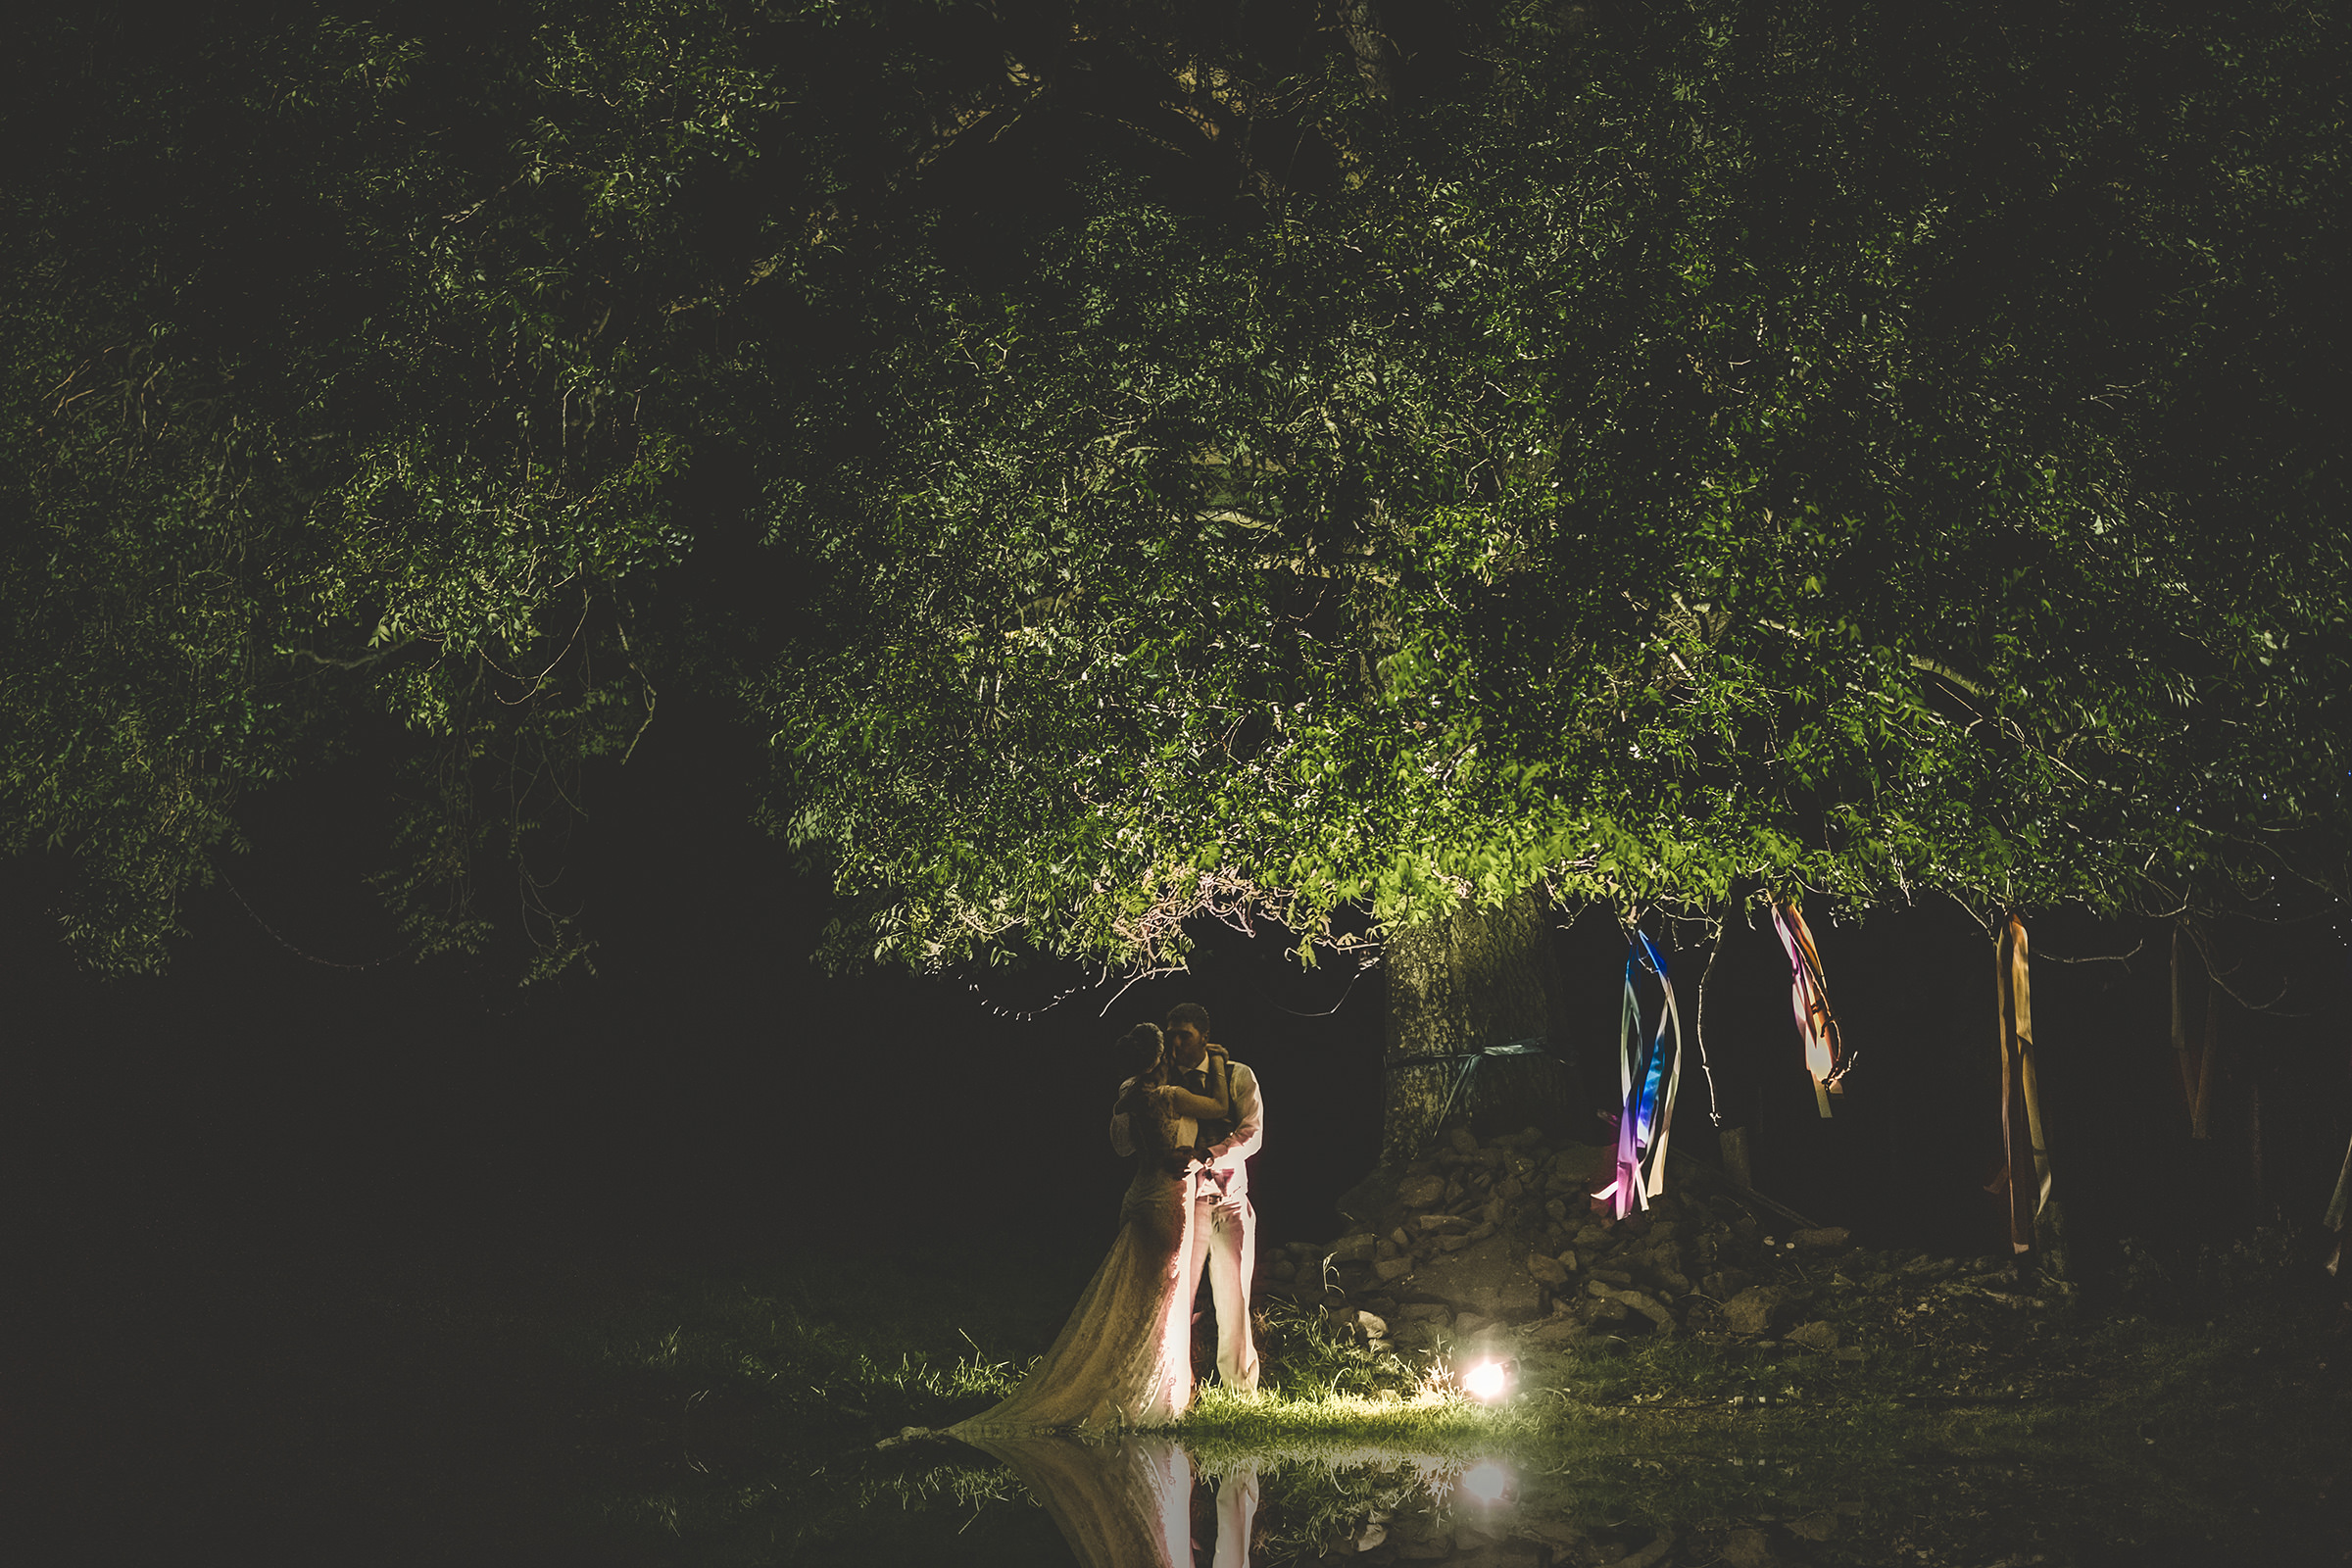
(1484, 1381)
(1486, 1482)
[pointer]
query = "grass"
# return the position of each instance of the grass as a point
(597, 1410)
(1965, 1431)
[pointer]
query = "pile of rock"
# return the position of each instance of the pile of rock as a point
(1504, 1234)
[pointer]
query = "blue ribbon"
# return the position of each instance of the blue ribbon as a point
(1650, 1078)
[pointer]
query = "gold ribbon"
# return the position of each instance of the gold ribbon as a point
(2023, 1145)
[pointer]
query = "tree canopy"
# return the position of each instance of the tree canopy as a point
(1266, 461)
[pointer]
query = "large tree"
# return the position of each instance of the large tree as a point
(1712, 450)
(1442, 464)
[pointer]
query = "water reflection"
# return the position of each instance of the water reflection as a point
(1143, 1502)
(1486, 1482)
(1135, 1501)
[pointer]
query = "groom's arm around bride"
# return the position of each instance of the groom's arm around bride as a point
(1225, 1225)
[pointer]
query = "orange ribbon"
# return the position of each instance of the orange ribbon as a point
(1809, 998)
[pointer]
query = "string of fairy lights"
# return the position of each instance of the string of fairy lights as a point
(1032, 1015)
(1029, 1014)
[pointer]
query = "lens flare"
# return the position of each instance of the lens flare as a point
(1486, 1482)
(1484, 1381)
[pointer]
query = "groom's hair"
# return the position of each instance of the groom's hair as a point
(1191, 1013)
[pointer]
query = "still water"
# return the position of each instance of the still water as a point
(1639, 1495)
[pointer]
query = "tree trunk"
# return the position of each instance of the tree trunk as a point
(1469, 980)
(2180, 1051)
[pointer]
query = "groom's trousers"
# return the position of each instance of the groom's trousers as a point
(1225, 1237)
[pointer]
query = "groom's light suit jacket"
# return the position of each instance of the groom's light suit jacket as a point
(1227, 1173)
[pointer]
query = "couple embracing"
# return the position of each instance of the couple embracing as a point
(1189, 1117)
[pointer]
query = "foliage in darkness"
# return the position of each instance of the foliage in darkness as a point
(1233, 461)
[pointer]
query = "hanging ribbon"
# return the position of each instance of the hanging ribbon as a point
(1646, 1085)
(2026, 1175)
(2338, 1208)
(1809, 997)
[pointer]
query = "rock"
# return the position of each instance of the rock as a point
(1419, 1546)
(1462, 1140)
(1282, 1268)
(1452, 1243)
(1391, 1269)
(1552, 1531)
(1554, 1332)
(1402, 1237)
(1615, 1276)
(1420, 1192)
(1820, 1337)
(1724, 1284)
(1487, 1277)
(1512, 1190)
(1468, 1323)
(1368, 1198)
(1427, 1313)
(1755, 1309)
(1592, 1239)
(1654, 1553)
(1648, 1306)
(1558, 1208)
(1374, 1326)
(1385, 1247)
(1548, 1270)
(1828, 1239)
(1673, 1279)
(1432, 1223)
(1353, 1250)
(1494, 1210)
(1584, 1162)
(1747, 1549)
(1482, 1230)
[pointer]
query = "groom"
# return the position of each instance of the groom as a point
(1224, 1225)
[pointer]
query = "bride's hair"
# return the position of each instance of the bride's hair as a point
(1139, 1048)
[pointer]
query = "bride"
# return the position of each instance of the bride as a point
(1124, 1358)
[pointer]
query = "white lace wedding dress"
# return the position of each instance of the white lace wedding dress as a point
(1124, 1358)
